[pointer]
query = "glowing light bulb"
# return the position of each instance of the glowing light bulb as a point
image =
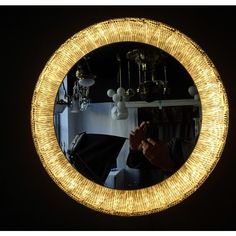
(121, 105)
(110, 93)
(192, 90)
(116, 97)
(122, 115)
(120, 91)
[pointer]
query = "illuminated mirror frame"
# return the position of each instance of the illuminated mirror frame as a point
(205, 155)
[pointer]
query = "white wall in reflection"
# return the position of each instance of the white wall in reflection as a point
(97, 120)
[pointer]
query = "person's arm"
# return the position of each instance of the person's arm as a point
(180, 149)
(135, 159)
(157, 153)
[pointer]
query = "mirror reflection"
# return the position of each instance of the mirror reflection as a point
(127, 115)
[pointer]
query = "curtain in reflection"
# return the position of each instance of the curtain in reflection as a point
(170, 122)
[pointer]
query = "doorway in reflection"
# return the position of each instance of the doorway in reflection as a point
(103, 103)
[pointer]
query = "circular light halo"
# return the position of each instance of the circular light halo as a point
(205, 155)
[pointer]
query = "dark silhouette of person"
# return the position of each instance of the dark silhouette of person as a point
(156, 159)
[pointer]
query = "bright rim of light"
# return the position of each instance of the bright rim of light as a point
(205, 154)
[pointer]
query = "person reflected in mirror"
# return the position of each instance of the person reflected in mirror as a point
(156, 159)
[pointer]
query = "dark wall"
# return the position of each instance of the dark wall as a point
(30, 200)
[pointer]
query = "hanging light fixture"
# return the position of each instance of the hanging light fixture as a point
(85, 79)
(150, 88)
(79, 100)
(81, 89)
(130, 91)
(84, 75)
(119, 110)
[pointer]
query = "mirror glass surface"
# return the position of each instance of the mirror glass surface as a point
(127, 115)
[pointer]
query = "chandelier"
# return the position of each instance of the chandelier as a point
(79, 100)
(140, 63)
(85, 79)
(149, 88)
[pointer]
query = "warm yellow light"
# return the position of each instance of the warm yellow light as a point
(205, 154)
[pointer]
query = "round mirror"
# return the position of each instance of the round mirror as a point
(127, 115)
(83, 96)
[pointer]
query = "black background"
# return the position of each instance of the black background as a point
(30, 200)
